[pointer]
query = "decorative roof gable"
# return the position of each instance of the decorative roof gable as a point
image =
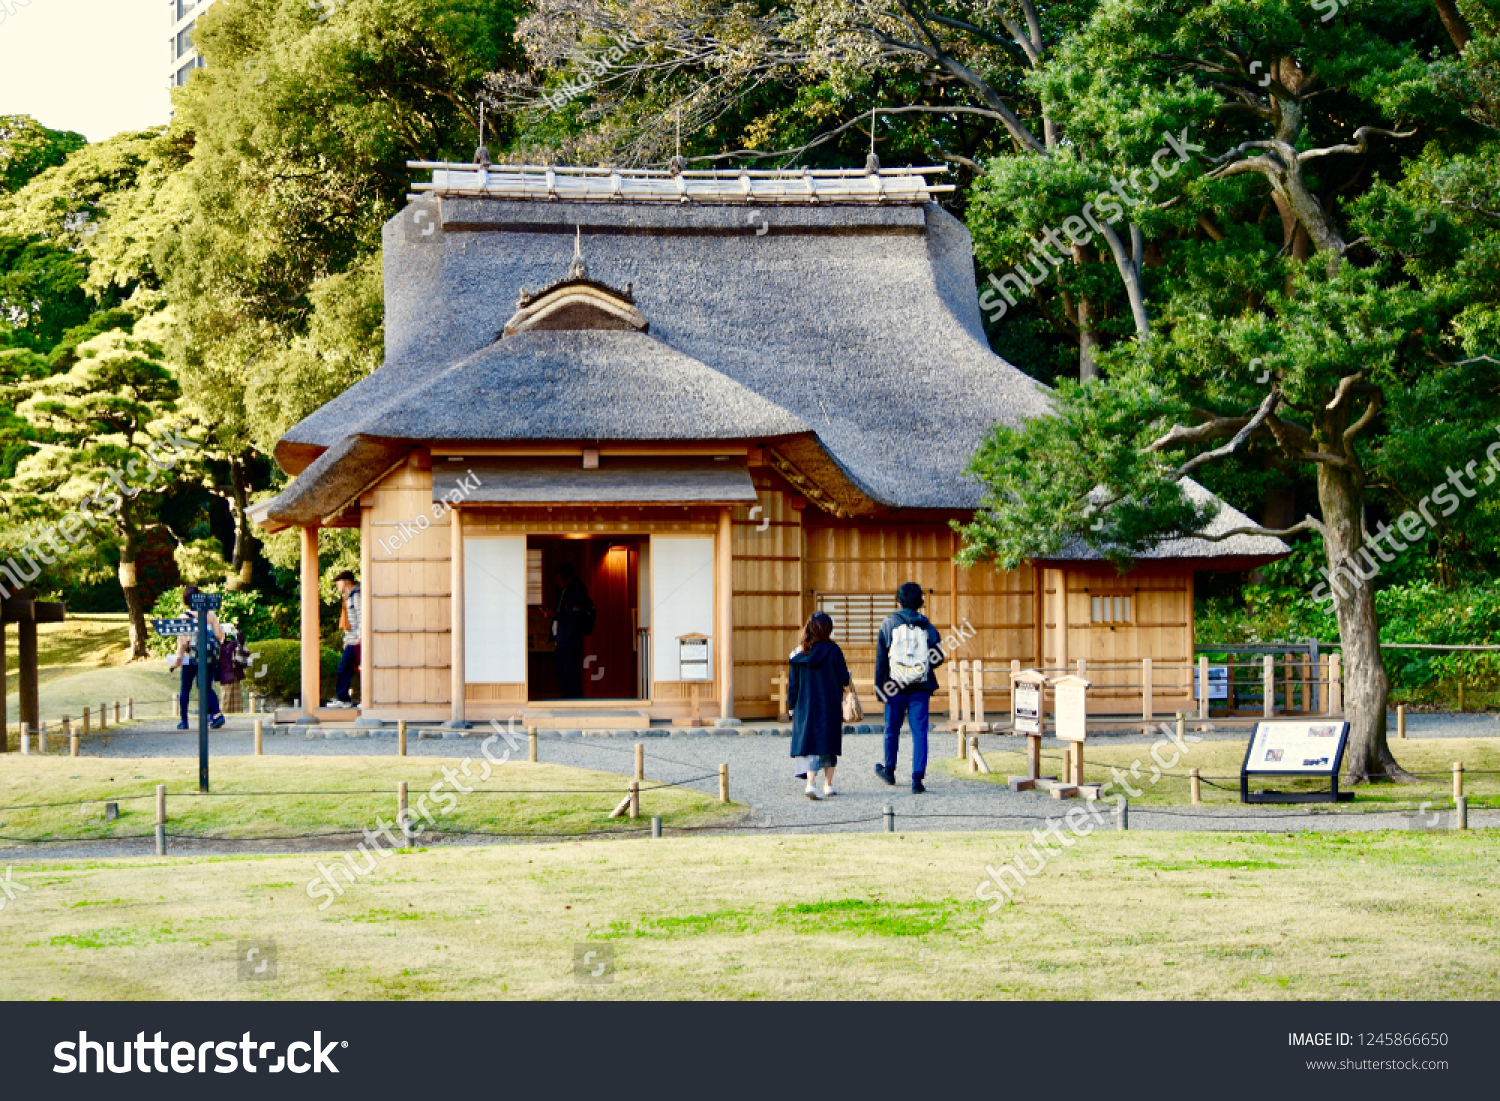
(576, 303)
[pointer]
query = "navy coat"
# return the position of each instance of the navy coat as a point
(815, 695)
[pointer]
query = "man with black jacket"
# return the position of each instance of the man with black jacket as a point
(909, 649)
(572, 623)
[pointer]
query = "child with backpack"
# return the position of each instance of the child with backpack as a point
(905, 657)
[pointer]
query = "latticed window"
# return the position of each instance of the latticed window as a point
(1110, 609)
(857, 616)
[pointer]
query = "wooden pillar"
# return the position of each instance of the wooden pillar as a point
(311, 663)
(1268, 685)
(1062, 619)
(1038, 615)
(1335, 683)
(1146, 703)
(456, 606)
(31, 707)
(724, 594)
(366, 618)
(4, 706)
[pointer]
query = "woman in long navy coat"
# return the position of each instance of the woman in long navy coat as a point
(814, 695)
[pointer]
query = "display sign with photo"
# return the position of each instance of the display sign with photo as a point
(1218, 683)
(1027, 710)
(1312, 747)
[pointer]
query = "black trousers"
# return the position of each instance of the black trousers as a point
(569, 664)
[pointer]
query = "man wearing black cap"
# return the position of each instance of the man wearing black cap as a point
(349, 617)
(908, 651)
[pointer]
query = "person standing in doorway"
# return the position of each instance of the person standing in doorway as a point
(908, 651)
(572, 623)
(187, 661)
(349, 623)
(817, 677)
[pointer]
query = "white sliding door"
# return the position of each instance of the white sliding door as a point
(495, 610)
(682, 598)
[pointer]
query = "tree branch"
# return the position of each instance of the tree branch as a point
(1307, 524)
(1267, 407)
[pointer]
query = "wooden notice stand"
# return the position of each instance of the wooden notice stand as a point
(1028, 703)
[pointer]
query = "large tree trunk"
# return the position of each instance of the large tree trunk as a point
(135, 604)
(1352, 565)
(242, 562)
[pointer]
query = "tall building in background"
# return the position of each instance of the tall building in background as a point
(183, 15)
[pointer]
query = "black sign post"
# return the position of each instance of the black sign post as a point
(202, 603)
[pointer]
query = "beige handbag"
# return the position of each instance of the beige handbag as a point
(852, 711)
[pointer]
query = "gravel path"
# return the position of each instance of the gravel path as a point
(760, 772)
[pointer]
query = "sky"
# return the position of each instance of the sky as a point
(94, 66)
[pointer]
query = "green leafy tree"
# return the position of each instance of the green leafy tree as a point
(27, 148)
(104, 456)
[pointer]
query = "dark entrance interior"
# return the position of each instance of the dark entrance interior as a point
(609, 567)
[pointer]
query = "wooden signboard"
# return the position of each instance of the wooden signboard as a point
(1070, 708)
(1027, 699)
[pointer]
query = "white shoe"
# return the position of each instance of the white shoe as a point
(811, 793)
(827, 791)
(338, 705)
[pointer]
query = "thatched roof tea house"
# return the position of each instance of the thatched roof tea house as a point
(725, 401)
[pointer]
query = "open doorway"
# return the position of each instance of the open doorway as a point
(606, 661)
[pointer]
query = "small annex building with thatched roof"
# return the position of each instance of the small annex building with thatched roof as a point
(726, 401)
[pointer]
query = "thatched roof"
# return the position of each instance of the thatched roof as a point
(846, 337)
(628, 480)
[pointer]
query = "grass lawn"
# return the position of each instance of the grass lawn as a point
(1137, 915)
(557, 806)
(83, 662)
(1223, 759)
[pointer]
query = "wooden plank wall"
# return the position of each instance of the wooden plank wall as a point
(768, 592)
(407, 592)
(1161, 598)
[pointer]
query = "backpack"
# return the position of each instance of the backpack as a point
(910, 662)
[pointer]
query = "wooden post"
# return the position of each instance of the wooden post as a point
(1268, 685)
(963, 741)
(130, 708)
(955, 706)
(260, 734)
(1324, 699)
(640, 761)
(25, 741)
(963, 693)
(1458, 779)
(1336, 683)
(103, 718)
(724, 783)
(1077, 763)
(400, 737)
(31, 707)
(458, 676)
(1461, 812)
(531, 740)
(367, 616)
(978, 673)
(1306, 688)
(161, 819)
(724, 590)
(977, 763)
(1181, 727)
(1033, 755)
(1197, 785)
(1401, 720)
(117, 712)
(85, 721)
(1147, 706)
(401, 814)
(41, 735)
(73, 745)
(635, 798)
(1289, 670)
(312, 661)
(1203, 686)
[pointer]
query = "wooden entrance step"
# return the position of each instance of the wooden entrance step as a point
(586, 719)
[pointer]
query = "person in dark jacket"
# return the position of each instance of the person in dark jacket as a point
(817, 676)
(571, 623)
(906, 695)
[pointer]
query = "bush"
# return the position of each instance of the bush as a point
(253, 619)
(276, 670)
